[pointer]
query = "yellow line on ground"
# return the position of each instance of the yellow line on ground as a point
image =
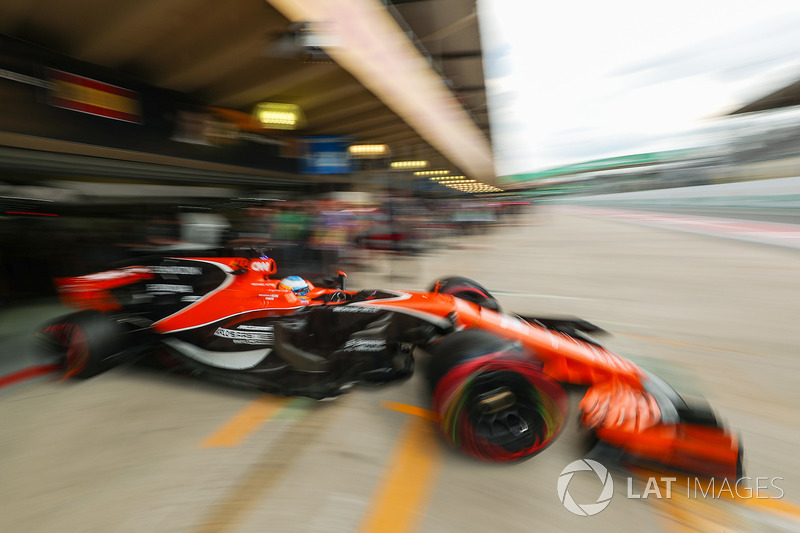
(772, 505)
(410, 410)
(263, 476)
(399, 502)
(695, 516)
(698, 514)
(248, 420)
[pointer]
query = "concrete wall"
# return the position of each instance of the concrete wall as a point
(781, 193)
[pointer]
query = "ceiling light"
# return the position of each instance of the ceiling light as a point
(368, 150)
(408, 165)
(279, 116)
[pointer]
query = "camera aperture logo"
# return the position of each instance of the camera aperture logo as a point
(586, 509)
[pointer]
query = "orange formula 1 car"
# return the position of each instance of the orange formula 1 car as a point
(496, 378)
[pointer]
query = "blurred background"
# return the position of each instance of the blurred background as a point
(401, 140)
(146, 126)
(325, 132)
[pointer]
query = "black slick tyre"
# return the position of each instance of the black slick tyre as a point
(493, 399)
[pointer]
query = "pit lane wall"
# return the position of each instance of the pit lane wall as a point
(778, 193)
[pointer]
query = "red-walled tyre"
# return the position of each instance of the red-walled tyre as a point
(86, 342)
(466, 289)
(493, 399)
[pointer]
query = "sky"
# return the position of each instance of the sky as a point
(576, 80)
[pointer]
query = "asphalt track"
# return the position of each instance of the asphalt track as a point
(133, 450)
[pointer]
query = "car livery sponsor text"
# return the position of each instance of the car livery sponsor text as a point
(261, 266)
(355, 309)
(238, 336)
(365, 345)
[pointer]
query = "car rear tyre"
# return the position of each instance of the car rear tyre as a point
(493, 400)
(86, 342)
(466, 289)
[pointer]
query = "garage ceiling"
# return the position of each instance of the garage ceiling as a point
(237, 53)
(785, 97)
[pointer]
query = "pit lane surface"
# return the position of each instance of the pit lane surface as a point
(133, 450)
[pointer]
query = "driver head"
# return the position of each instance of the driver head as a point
(296, 284)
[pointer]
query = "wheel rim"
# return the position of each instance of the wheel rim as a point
(472, 294)
(77, 351)
(464, 291)
(499, 409)
(513, 420)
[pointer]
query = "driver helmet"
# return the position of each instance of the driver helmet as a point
(296, 284)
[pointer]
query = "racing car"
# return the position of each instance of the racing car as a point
(497, 379)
